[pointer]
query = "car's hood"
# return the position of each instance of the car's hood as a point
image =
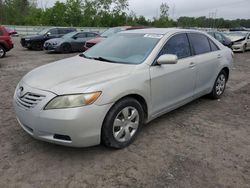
(75, 74)
(55, 40)
(33, 37)
(96, 40)
(236, 38)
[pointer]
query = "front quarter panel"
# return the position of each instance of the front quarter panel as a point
(138, 82)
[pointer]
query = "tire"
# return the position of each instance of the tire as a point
(244, 48)
(120, 130)
(2, 52)
(37, 46)
(66, 48)
(219, 85)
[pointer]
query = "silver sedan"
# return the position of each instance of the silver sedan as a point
(106, 94)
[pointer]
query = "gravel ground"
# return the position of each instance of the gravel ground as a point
(203, 144)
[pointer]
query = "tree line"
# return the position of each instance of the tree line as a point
(99, 13)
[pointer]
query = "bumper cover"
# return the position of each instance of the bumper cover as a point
(80, 126)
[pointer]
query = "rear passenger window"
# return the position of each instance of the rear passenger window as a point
(177, 45)
(214, 47)
(199, 43)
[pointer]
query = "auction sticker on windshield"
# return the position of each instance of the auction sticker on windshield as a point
(155, 36)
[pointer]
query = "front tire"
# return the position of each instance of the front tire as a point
(66, 48)
(37, 46)
(2, 52)
(219, 85)
(244, 48)
(122, 123)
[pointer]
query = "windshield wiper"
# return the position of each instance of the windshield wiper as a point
(104, 59)
(98, 58)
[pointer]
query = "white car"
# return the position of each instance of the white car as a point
(106, 94)
(240, 39)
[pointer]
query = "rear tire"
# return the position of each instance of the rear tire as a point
(2, 52)
(219, 85)
(122, 123)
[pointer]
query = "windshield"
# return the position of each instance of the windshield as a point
(233, 35)
(111, 32)
(69, 35)
(43, 32)
(127, 48)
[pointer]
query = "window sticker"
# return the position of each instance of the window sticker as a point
(155, 36)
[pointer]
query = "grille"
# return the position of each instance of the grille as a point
(29, 100)
(89, 45)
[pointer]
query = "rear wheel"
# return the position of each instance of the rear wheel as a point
(122, 123)
(219, 85)
(66, 48)
(2, 52)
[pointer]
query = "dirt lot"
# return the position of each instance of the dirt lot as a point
(203, 144)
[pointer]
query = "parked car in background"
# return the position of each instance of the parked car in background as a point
(240, 39)
(12, 31)
(36, 42)
(107, 93)
(6, 43)
(221, 38)
(108, 33)
(71, 42)
(240, 29)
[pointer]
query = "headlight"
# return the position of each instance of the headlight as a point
(54, 43)
(72, 101)
(27, 39)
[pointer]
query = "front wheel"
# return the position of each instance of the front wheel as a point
(2, 52)
(244, 48)
(219, 85)
(122, 123)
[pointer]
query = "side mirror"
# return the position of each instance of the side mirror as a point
(167, 59)
(74, 37)
(48, 34)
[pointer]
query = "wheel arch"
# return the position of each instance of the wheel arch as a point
(226, 69)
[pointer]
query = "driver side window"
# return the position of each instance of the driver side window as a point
(177, 45)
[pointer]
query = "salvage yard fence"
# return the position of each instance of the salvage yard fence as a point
(31, 30)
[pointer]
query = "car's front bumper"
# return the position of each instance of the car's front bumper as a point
(237, 47)
(76, 127)
(51, 48)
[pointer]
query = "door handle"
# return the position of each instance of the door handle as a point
(192, 65)
(219, 56)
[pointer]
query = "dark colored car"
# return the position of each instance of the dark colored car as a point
(5, 42)
(221, 38)
(108, 33)
(11, 31)
(36, 42)
(71, 42)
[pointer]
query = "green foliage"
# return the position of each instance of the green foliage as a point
(98, 13)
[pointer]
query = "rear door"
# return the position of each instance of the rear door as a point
(207, 58)
(173, 85)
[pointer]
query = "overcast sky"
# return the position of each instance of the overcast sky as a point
(228, 9)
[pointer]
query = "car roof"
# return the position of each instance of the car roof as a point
(160, 31)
